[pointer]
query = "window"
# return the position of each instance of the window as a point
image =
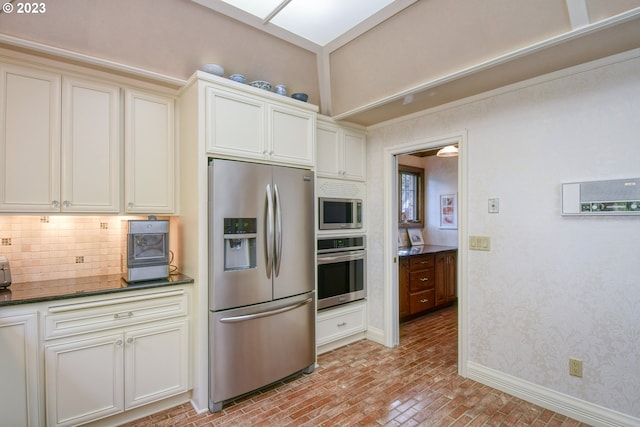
(411, 193)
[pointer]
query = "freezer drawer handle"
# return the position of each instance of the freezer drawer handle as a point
(236, 319)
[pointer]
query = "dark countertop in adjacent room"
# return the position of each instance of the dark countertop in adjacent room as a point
(424, 249)
(53, 290)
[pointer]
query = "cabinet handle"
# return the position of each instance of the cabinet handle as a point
(123, 315)
(424, 300)
(130, 205)
(342, 324)
(66, 204)
(424, 262)
(119, 343)
(424, 279)
(130, 340)
(55, 204)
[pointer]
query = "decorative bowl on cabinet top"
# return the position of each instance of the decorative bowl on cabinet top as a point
(261, 84)
(213, 69)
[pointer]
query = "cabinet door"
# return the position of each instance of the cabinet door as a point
(445, 277)
(355, 157)
(20, 397)
(149, 153)
(84, 379)
(156, 363)
(235, 124)
(90, 147)
(328, 156)
(403, 288)
(291, 136)
(29, 140)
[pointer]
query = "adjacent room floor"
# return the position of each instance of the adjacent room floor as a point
(367, 384)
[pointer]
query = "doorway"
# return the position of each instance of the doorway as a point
(391, 220)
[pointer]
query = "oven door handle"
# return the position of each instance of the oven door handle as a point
(324, 259)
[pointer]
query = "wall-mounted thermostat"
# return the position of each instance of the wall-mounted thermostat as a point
(612, 197)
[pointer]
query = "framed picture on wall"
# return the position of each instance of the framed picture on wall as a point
(449, 211)
(415, 237)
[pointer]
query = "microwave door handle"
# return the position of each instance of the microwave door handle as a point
(278, 231)
(268, 238)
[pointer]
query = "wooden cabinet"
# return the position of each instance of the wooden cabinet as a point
(150, 153)
(341, 151)
(244, 125)
(446, 266)
(425, 282)
(59, 143)
(339, 326)
(20, 393)
(105, 356)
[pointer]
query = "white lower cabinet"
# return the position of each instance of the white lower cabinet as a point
(340, 326)
(20, 395)
(131, 362)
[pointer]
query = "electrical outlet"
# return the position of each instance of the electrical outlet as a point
(575, 367)
(494, 205)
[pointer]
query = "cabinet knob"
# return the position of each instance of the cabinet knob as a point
(130, 340)
(119, 343)
(55, 204)
(66, 204)
(342, 324)
(130, 205)
(424, 300)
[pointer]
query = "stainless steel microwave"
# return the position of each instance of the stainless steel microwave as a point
(339, 214)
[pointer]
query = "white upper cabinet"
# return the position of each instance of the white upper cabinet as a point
(90, 147)
(341, 151)
(149, 153)
(59, 143)
(29, 140)
(235, 124)
(241, 123)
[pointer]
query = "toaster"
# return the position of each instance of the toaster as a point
(5, 272)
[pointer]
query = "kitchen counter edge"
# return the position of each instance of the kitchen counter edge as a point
(60, 289)
(410, 251)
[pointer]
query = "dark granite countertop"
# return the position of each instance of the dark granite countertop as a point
(53, 290)
(423, 249)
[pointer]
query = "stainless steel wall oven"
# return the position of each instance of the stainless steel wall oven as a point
(342, 270)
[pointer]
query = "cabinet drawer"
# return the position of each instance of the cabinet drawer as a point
(102, 314)
(421, 280)
(422, 300)
(421, 262)
(339, 323)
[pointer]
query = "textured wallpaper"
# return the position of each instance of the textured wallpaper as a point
(552, 287)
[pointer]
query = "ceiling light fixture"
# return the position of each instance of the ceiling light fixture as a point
(448, 151)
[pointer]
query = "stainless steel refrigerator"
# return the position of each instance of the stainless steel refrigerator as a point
(261, 277)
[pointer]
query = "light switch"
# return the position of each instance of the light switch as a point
(480, 243)
(494, 205)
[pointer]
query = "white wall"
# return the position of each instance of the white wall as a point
(551, 287)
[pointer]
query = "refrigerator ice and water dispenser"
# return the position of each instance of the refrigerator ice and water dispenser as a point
(239, 243)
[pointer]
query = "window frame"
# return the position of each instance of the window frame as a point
(420, 196)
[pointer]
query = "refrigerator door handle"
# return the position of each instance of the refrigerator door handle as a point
(278, 235)
(235, 319)
(268, 241)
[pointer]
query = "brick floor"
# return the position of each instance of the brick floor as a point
(367, 384)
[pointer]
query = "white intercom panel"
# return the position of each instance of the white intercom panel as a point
(612, 197)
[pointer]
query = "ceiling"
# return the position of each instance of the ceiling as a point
(318, 26)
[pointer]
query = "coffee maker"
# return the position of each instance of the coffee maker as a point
(145, 254)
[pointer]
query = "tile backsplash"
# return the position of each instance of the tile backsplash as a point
(60, 247)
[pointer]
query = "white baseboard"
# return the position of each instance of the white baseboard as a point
(375, 335)
(561, 403)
